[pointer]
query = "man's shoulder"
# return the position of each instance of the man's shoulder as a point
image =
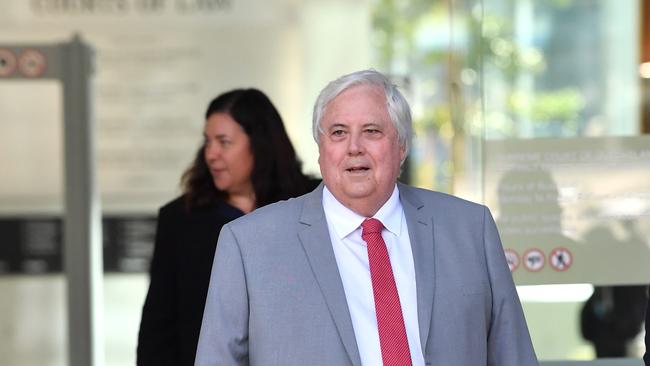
(271, 226)
(277, 213)
(437, 200)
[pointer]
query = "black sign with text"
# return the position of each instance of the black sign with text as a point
(34, 245)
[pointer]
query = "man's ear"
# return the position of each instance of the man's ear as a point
(320, 153)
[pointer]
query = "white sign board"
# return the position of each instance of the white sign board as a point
(572, 210)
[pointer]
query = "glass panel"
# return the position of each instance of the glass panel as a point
(564, 170)
(533, 108)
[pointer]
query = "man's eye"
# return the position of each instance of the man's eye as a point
(338, 133)
(372, 131)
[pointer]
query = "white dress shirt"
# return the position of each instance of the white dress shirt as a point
(352, 259)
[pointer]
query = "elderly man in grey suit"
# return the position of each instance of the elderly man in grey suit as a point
(363, 270)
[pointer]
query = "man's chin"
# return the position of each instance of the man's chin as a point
(358, 192)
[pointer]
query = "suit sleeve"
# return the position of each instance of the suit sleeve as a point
(157, 338)
(509, 342)
(223, 339)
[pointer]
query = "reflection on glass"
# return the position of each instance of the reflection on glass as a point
(539, 72)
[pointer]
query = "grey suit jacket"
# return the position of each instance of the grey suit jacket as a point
(276, 297)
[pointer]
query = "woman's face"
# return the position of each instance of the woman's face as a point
(228, 154)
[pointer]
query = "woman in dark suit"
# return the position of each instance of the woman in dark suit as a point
(246, 161)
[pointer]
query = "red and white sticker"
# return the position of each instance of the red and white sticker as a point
(512, 258)
(534, 260)
(561, 259)
(32, 63)
(7, 62)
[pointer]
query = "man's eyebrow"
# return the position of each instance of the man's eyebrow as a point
(372, 124)
(337, 125)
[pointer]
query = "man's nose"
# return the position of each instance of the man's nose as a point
(355, 144)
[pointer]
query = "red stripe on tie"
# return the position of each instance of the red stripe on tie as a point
(390, 322)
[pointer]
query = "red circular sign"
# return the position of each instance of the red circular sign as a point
(561, 259)
(512, 258)
(7, 62)
(32, 63)
(534, 260)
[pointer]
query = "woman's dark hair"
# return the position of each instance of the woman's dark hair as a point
(276, 171)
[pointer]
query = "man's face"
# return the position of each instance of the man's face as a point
(359, 151)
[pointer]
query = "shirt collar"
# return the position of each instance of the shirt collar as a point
(346, 221)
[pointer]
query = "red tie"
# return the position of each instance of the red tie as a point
(392, 333)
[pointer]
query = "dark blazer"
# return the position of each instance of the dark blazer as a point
(180, 274)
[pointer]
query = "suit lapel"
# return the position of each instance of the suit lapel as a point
(316, 242)
(420, 227)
